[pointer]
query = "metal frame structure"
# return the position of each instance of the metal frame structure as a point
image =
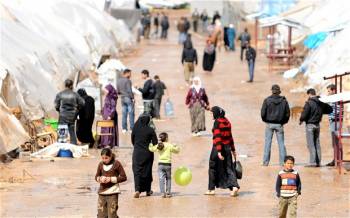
(339, 135)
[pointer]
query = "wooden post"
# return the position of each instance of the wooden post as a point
(289, 38)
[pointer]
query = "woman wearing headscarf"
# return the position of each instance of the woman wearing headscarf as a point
(197, 101)
(142, 159)
(209, 56)
(109, 112)
(221, 167)
(86, 119)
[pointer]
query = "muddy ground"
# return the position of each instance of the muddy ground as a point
(66, 187)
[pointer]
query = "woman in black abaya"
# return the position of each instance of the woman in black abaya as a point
(221, 167)
(142, 159)
(209, 56)
(86, 119)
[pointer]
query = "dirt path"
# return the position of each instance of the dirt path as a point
(66, 188)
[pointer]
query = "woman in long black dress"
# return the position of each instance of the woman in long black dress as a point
(221, 167)
(142, 159)
(86, 119)
(209, 56)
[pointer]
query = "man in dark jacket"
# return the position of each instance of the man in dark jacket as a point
(245, 39)
(275, 113)
(68, 103)
(148, 93)
(250, 57)
(312, 116)
(159, 88)
(189, 59)
(164, 23)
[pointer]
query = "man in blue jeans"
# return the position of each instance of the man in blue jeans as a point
(275, 113)
(124, 87)
(250, 56)
(312, 116)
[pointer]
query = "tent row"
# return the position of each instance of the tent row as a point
(45, 42)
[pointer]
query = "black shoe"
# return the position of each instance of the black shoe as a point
(149, 193)
(331, 164)
(311, 165)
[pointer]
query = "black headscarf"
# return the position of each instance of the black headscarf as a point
(218, 112)
(82, 92)
(143, 121)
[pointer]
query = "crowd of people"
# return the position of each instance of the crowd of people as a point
(275, 113)
(159, 21)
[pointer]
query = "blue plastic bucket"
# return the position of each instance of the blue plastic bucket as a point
(64, 153)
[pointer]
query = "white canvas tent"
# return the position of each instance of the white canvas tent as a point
(50, 41)
(42, 44)
(331, 57)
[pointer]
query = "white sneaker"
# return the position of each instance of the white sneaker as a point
(194, 134)
(234, 192)
(124, 131)
(198, 134)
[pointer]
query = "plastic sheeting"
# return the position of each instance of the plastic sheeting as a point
(315, 40)
(52, 150)
(12, 133)
(331, 57)
(318, 16)
(45, 42)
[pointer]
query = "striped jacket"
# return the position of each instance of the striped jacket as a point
(336, 108)
(288, 183)
(222, 134)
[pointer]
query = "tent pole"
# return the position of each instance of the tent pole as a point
(256, 33)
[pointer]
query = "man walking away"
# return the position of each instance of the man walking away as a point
(146, 25)
(334, 119)
(189, 59)
(195, 19)
(148, 93)
(275, 113)
(187, 26)
(181, 29)
(245, 40)
(159, 87)
(231, 36)
(312, 116)
(68, 103)
(164, 23)
(204, 19)
(124, 87)
(156, 24)
(250, 56)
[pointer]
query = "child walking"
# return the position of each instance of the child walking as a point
(288, 188)
(109, 174)
(165, 149)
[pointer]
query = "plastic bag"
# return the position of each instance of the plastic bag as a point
(169, 108)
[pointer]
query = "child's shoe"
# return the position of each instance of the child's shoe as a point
(168, 195)
(210, 192)
(164, 195)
